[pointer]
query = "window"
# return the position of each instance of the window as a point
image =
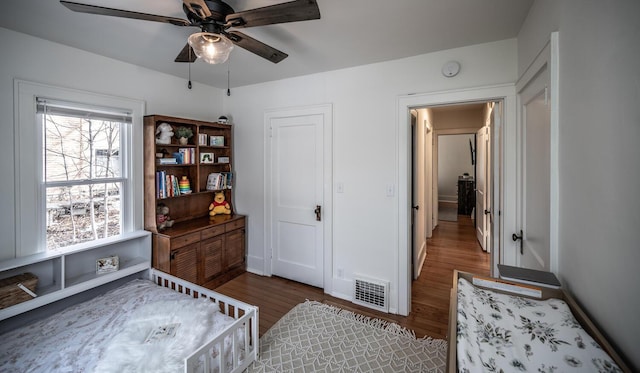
(78, 173)
(82, 176)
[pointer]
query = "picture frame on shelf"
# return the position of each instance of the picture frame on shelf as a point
(206, 158)
(216, 140)
(107, 265)
(223, 159)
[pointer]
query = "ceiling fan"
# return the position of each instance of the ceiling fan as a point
(215, 18)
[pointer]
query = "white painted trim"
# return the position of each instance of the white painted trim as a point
(554, 156)
(326, 110)
(28, 169)
(505, 92)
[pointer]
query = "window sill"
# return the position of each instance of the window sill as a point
(73, 249)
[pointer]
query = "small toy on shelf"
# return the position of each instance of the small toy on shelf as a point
(162, 217)
(219, 205)
(164, 132)
(184, 185)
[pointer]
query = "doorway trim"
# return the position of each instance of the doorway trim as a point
(326, 110)
(504, 204)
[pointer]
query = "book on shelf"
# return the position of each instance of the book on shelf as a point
(229, 181)
(219, 180)
(188, 155)
(166, 185)
(528, 276)
(203, 139)
(170, 160)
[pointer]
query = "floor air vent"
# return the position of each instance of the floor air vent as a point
(371, 293)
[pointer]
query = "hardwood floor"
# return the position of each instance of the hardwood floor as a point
(453, 246)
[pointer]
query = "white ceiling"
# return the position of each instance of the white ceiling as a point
(349, 33)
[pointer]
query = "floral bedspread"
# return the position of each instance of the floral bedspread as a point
(77, 338)
(505, 333)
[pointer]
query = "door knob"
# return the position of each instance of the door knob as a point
(416, 207)
(515, 237)
(487, 212)
(318, 212)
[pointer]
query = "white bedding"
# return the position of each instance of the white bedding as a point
(107, 333)
(499, 332)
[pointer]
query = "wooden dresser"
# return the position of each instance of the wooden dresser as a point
(205, 251)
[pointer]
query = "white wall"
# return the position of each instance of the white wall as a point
(28, 58)
(364, 141)
(599, 153)
(454, 159)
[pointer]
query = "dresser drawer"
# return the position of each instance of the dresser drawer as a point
(184, 240)
(234, 225)
(212, 232)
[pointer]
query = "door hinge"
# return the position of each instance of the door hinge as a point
(270, 131)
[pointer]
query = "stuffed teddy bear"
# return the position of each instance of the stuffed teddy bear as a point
(162, 217)
(164, 132)
(219, 205)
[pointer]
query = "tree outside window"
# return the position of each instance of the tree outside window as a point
(82, 177)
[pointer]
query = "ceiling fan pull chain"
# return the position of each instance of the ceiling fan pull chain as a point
(189, 64)
(228, 75)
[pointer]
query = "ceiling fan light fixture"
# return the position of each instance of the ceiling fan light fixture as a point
(212, 48)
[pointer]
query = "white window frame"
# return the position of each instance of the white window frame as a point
(30, 198)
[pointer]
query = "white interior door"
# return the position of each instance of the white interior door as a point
(535, 175)
(538, 160)
(482, 140)
(415, 194)
(297, 197)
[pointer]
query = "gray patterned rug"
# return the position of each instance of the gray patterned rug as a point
(315, 337)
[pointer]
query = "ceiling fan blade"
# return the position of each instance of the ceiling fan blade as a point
(293, 11)
(94, 9)
(186, 55)
(254, 46)
(198, 7)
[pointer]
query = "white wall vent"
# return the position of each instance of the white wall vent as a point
(371, 293)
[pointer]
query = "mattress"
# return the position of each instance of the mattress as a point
(110, 332)
(501, 332)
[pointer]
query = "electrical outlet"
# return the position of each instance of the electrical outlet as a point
(340, 187)
(340, 273)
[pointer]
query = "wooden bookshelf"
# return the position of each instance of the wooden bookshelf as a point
(197, 248)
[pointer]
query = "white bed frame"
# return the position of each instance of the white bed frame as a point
(243, 351)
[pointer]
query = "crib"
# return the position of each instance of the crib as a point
(112, 329)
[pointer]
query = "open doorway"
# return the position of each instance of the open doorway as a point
(450, 179)
(502, 214)
(455, 195)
